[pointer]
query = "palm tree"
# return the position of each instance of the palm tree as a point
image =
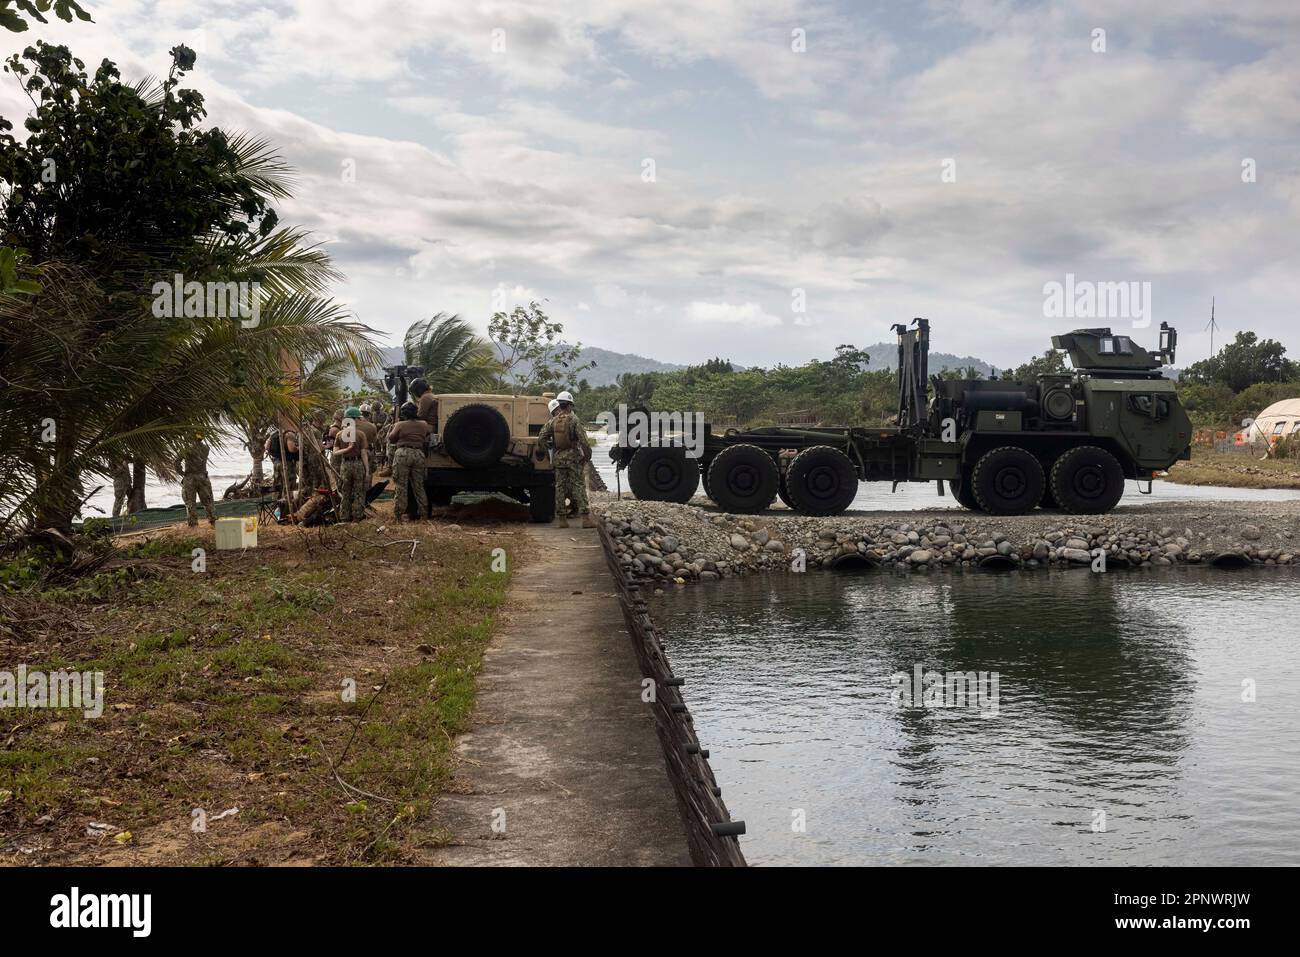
(454, 357)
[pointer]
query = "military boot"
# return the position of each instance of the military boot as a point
(587, 521)
(562, 522)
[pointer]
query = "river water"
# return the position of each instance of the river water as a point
(1120, 734)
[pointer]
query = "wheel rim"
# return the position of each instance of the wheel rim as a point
(1010, 483)
(664, 475)
(1089, 482)
(743, 480)
(822, 483)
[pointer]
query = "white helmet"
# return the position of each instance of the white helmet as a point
(553, 405)
(565, 396)
(365, 407)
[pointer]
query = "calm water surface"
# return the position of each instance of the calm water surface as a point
(1118, 693)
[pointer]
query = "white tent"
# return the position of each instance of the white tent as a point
(1279, 419)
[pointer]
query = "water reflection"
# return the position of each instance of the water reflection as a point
(1118, 695)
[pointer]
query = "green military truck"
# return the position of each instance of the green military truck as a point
(1068, 441)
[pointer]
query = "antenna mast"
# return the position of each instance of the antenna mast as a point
(1212, 326)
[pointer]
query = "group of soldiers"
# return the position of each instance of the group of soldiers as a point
(359, 445)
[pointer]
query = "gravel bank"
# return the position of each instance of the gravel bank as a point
(666, 542)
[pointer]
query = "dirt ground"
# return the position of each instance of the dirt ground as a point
(292, 704)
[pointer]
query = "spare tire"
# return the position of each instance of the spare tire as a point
(663, 474)
(476, 436)
(743, 479)
(821, 481)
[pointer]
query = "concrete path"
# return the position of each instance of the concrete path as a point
(561, 740)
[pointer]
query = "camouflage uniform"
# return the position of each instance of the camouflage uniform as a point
(314, 475)
(408, 478)
(193, 467)
(353, 481)
(569, 461)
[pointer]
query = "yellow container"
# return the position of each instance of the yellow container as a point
(236, 533)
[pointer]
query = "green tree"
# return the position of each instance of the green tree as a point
(454, 358)
(11, 12)
(532, 353)
(1051, 362)
(115, 190)
(1243, 362)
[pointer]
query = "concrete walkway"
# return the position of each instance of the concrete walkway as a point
(561, 740)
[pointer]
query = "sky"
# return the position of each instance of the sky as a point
(764, 181)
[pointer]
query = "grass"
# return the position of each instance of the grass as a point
(1235, 470)
(230, 688)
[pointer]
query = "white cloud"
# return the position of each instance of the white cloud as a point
(748, 314)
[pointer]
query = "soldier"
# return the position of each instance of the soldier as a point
(334, 429)
(372, 440)
(121, 469)
(350, 451)
(315, 476)
(291, 451)
(381, 458)
(565, 434)
(426, 406)
(407, 439)
(193, 468)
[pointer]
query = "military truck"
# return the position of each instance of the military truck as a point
(1068, 441)
(484, 443)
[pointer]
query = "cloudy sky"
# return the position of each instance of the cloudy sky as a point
(678, 178)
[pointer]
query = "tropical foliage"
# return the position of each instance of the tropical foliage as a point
(116, 190)
(455, 359)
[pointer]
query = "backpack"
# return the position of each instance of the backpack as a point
(563, 431)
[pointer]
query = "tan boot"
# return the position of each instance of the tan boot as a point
(587, 521)
(562, 522)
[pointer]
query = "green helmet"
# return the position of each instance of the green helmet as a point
(352, 412)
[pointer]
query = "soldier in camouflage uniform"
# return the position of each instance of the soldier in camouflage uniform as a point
(193, 467)
(565, 435)
(314, 474)
(349, 458)
(407, 439)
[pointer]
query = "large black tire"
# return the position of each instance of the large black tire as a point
(1087, 481)
(1008, 481)
(961, 491)
(743, 479)
(541, 504)
(663, 475)
(476, 436)
(821, 481)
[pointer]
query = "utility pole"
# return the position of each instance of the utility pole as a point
(1212, 326)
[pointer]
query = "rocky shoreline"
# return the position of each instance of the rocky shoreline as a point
(666, 543)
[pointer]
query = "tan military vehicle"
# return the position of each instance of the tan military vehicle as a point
(485, 443)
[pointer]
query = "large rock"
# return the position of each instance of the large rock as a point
(739, 541)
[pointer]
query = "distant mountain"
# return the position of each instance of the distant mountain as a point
(609, 365)
(884, 356)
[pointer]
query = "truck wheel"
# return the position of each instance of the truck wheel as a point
(476, 436)
(961, 491)
(1087, 481)
(821, 481)
(541, 504)
(1007, 481)
(663, 475)
(743, 479)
